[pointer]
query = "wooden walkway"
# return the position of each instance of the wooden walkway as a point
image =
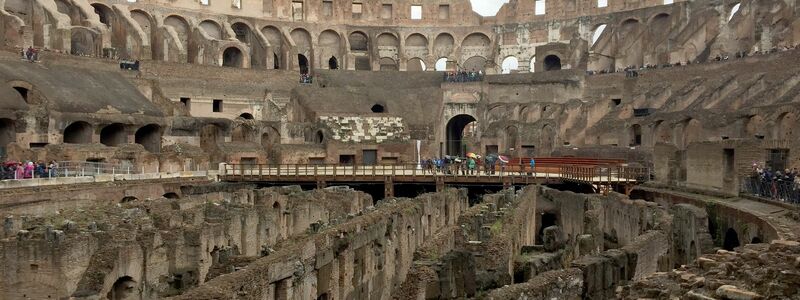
(599, 176)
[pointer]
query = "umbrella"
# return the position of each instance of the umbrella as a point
(472, 155)
(504, 159)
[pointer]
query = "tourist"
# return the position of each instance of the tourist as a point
(29, 54)
(533, 167)
(471, 164)
(53, 169)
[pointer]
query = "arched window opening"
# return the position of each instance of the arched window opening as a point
(8, 132)
(552, 63)
(636, 135)
(150, 137)
(276, 62)
(475, 64)
(377, 108)
(212, 29)
(103, 13)
(388, 64)
(246, 116)
(172, 195)
(333, 63)
(232, 57)
(319, 138)
(23, 92)
(441, 64)
(113, 135)
(457, 129)
(358, 42)
(123, 288)
(731, 240)
(302, 62)
(734, 11)
(242, 32)
(598, 32)
(416, 65)
(510, 64)
(78, 133)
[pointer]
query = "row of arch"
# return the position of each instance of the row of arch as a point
(114, 134)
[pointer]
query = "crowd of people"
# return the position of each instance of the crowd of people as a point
(306, 79)
(774, 184)
(633, 71)
(471, 165)
(463, 76)
(28, 170)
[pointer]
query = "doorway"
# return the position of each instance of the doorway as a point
(370, 157)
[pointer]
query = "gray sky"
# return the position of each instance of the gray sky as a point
(487, 7)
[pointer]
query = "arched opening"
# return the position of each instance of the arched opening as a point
(212, 29)
(242, 32)
(113, 135)
(127, 199)
(104, 13)
(23, 92)
(547, 219)
(302, 63)
(82, 41)
(270, 138)
(475, 64)
(171, 195)
(388, 64)
(276, 62)
(731, 240)
(443, 44)
(246, 116)
(123, 288)
(636, 135)
(510, 64)
(756, 240)
(476, 40)
(511, 140)
(149, 136)
(78, 133)
(417, 40)
(734, 11)
(552, 63)
(244, 134)
(183, 32)
(333, 64)
(358, 41)
(598, 32)
(8, 132)
(232, 57)
(377, 108)
(275, 39)
(455, 134)
(441, 64)
(319, 137)
(416, 65)
(786, 125)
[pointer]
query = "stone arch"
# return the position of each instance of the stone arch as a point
(786, 124)
(443, 44)
(182, 29)
(552, 63)
(83, 41)
(104, 13)
(511, 136)
(416, 40)
(149, 136)
(629, 43)
(333, 63)
(388, 64)
(147, 24)
(416, 64)
(691, 132)
(24, 90)
(658, 18)
(510, 64)
(329, 38)
(387, 39)
(524, 114)
(212, 29)
(731, 240)
(378, 109)
(662, 132)
(636, 135)
(275, 40)
(78, 132)
(756, 126)
(8, 132)
(232, 57)
(113, 135)
(123, 288)
(319, 137)
(477, 39)
(61, 6)
(302, 39)
(358, 41)
(454, 133)
(330, 46)
(475, 64)
(127, 199)
(171, 195)
(303, 64)
(243, 32)
(246, 116)
(547, 139)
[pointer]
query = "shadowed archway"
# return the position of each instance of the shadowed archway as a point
(455, 134)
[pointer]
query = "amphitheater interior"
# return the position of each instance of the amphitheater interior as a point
(279, 149)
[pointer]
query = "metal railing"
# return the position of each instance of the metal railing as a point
(343, 171)
(82, 169)
(779, 190)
